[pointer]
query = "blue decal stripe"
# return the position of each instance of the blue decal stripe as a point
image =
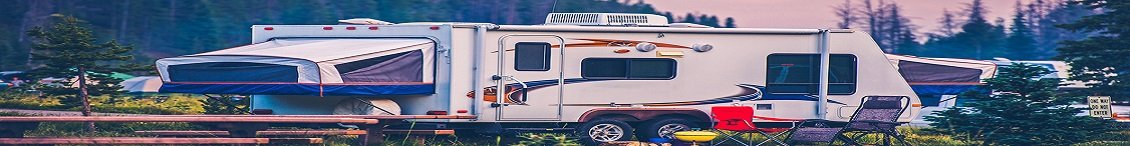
(751, 92)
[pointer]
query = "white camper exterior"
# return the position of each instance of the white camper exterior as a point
(637, 73)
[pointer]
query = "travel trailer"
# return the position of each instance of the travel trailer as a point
(607, 76)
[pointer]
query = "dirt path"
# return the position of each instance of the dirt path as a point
(58, 113)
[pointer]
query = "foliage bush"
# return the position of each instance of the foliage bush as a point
(29, 104)
(172, 104)
(226, 105)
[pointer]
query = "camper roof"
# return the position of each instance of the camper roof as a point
(318, 49)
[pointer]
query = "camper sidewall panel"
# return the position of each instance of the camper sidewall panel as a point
(705, 79)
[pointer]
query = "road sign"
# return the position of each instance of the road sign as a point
(1100, 106)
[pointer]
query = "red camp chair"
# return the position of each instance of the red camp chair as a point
(739, 119)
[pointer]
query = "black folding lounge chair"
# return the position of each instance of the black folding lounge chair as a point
(877, 115)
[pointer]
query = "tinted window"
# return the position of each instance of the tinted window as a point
(628, 68)
(652, 69)
(800, 74)
(604, 68)
(531, 56)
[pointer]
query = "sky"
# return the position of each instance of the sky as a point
(819, 13)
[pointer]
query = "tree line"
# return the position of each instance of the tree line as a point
(1089, 35)
(165, 28)
(1030, 35)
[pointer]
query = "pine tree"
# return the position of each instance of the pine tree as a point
(1101, 60)
(1020, 42)
(1049, 36)
(847, 14)
(949, 24)
(978, 38)
(874, 14)
(901, 32)
(892, 31)
(69, 50)
(730, 23)
(714, 21)
(1021, 109)
(689, 18)
(705, 20)
(977, 33)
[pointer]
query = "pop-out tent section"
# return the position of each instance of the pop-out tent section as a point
(942, 76)
(142, 84)
(306, 66)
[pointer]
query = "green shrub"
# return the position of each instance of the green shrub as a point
(15, 104)
(226, 105)
(172, 104)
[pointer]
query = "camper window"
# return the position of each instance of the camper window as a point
(628, 68)
(800, 74)
(531, 56)
(233, 72)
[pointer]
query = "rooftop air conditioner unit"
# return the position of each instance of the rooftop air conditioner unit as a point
(605, 19)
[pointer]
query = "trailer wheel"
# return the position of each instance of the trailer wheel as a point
(600, 131)
(665, 128)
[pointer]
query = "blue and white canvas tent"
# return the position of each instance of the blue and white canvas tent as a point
(942, 76)
(142, 84)
(306, 66)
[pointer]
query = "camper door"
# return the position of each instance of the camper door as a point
(530, 78)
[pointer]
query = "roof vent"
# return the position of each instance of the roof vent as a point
(605, 19)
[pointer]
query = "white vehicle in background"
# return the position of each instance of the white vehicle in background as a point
(607, 76)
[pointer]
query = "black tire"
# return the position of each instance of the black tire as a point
(651, 129)
(583, 131)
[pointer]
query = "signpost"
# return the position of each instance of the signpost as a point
(1100, 106)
